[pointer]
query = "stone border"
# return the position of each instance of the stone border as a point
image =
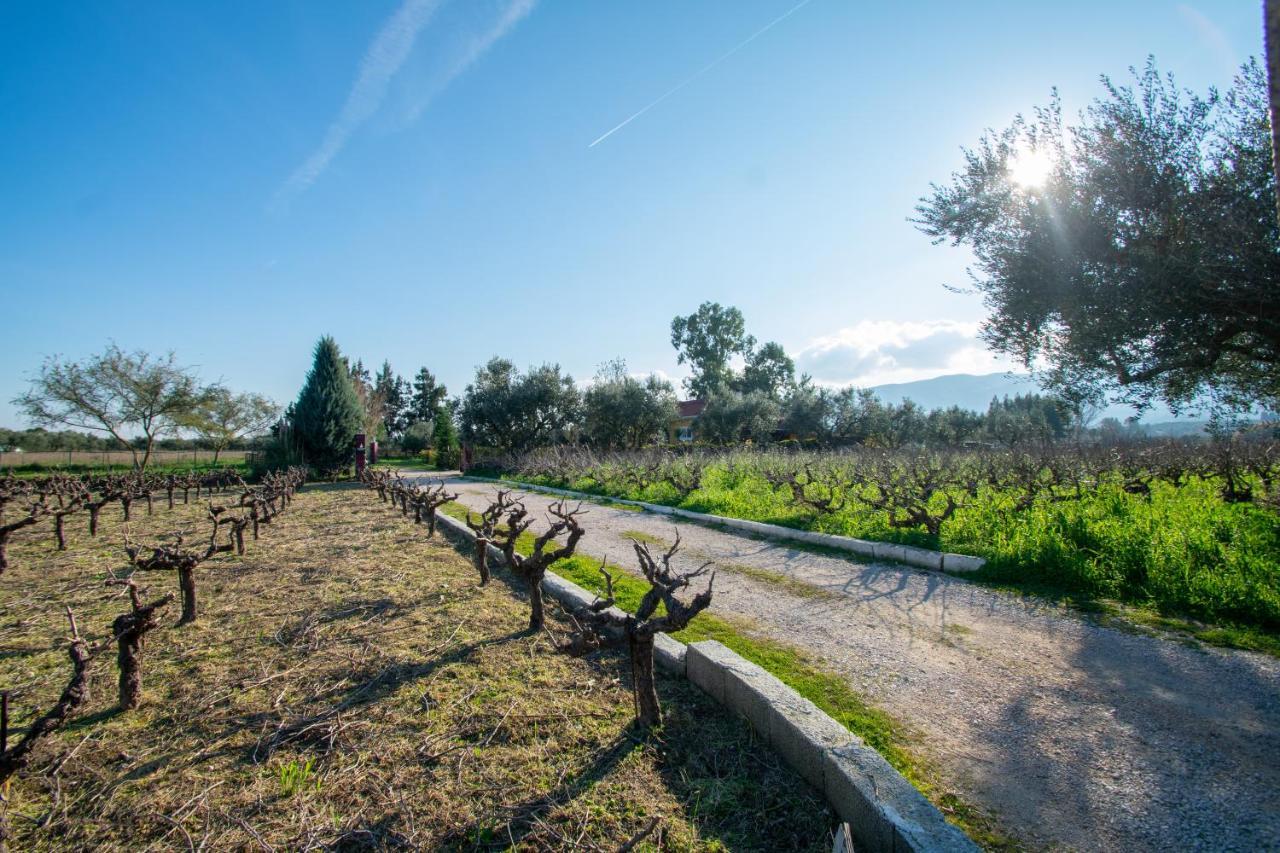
(885, 812)
(921, 558)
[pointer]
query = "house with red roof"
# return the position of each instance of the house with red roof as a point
(681, 428)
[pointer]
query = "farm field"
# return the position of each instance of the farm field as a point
(117, 459)
(1151, 530)
(347, 684)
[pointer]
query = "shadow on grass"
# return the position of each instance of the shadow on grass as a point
(499, 835)
(320, 730)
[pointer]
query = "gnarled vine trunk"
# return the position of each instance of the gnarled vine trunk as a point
(187, 583)
(643, 687)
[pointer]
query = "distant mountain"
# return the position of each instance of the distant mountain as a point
(958, 389)
(975, 392)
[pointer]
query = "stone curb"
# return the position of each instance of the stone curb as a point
(921, 558)
(884, 811)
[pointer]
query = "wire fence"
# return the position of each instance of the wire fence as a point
(113, 458)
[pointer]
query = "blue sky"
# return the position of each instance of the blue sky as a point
(231, 180)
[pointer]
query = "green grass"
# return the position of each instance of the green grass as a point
(42, 470)
(796, 669)
(417, 463)
(297, 776)
(1181, 552)
(644, 538)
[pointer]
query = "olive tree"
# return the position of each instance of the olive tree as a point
(1138, 259)
(623, 411)
(731, 416)
(506, 409)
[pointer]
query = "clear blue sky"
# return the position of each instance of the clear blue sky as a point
(231, 180)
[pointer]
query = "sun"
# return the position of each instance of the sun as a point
(1030, 169)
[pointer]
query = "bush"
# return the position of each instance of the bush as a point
(417, 438)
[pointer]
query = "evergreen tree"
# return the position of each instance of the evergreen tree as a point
(328, 413)
(390, 389)
(426, 399)
(445, 439)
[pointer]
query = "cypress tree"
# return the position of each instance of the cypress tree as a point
(328, 413)
(445, 440)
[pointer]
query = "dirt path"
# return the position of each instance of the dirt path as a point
(1077, 736)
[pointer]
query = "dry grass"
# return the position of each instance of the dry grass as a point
(347, 685)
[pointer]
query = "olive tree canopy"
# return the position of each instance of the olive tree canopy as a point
(505, 409)
(1133, 254)
(624, 411)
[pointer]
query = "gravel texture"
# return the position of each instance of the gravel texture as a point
(1074, 735)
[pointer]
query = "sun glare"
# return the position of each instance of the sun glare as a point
(1030, 169)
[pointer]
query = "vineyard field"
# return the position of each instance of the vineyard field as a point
(1178, 546)
(347, 684)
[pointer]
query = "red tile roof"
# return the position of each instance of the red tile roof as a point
(690, 408)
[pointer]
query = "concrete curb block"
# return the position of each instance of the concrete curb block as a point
(884, 811)
(921, 558)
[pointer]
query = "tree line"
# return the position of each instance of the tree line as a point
(508, 410)
(40, 440)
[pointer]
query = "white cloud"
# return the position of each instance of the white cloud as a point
(383, 60)
(875, 352)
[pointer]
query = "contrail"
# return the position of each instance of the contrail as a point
(739, 46)
(382, 60)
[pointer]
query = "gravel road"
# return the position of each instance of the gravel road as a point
(1076, 736)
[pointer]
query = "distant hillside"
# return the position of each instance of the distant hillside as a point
(975, 392)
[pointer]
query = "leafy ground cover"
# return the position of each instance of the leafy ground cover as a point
(1180, 552)
(348, 685)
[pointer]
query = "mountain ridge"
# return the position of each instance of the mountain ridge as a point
(975, 391)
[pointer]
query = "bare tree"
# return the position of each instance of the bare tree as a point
(35, 506)
(602, 623)
(905, 490)
(428, 503)
(236, 523)
(107, 489)
(223, 417)
(178, 559)
(72, 495)
(116, 392)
